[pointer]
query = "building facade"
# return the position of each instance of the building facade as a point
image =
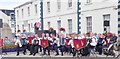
(8, 20)
(99, 16)
(76, 16)
(27, 15)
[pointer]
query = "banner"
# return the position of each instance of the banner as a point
(30, 39)
(79, 44)
(44, 43)
(84, 42)
(1, 43)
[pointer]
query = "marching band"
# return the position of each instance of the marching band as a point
(74, 44)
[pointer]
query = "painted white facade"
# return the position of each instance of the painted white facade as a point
(27, 20)
(96, 9)
(62, 15)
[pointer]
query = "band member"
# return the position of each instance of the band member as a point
(18, 44)
(68, 48)
(62, 44)
(49, 44)
(72, 44)
(30, 38)
(24, 43)
(35, 45)
(55, 44)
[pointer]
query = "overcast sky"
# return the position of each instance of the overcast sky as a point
(10, 4)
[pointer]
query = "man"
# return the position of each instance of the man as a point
(49, 44)
(24, 43)
(72, 44)
(55, 44)
(35, 45)
(62, 43)
(18, 44)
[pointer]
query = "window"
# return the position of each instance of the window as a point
(88, 1)
(29, 27)
(89, 24)
(17, 14)
(106, 23)
(22, 13)
(118, 12)
(48, 6)
(23, 27)
(18, 27)
(28, 11)
(106, 17)
(36, 9)
(59, 24)
(48, 25)
(69, 3)
(25, 23)
(70, 26)
(59, 4)
(12, 25)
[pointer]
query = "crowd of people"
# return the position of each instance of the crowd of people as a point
(59, 44)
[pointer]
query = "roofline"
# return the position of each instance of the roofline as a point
(26, 3)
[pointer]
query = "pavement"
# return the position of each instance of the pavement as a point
(13, 54)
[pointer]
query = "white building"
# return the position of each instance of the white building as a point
(7, 17)
(27, 14)
(95, 12)
(80, 17)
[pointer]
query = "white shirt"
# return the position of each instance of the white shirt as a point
(37, 39)
(17, 42)
(71, 43)
(94, 41)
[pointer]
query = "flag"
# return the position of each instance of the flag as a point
(1, 43)
(30, 39)
(77, 44)
(44, 43)
(84, 42)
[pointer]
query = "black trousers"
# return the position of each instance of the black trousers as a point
(62, 49)
(24, 47)
(40, 48)
(74, 51)
(56, 49)
(35, 49)
(31, 49)
(47, 48)
(18, 49)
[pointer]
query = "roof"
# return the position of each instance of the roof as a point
(26, 3)
(7, 12)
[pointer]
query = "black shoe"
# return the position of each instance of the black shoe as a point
(30, 54)
(24, 53)
(17, 55)
(56, 54)
(43, 54)
(33, 54)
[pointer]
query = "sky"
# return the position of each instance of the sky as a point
(11, 4)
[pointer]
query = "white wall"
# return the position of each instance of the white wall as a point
(4, 17)
(63, 14)
(97, 10)
(30, 19)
